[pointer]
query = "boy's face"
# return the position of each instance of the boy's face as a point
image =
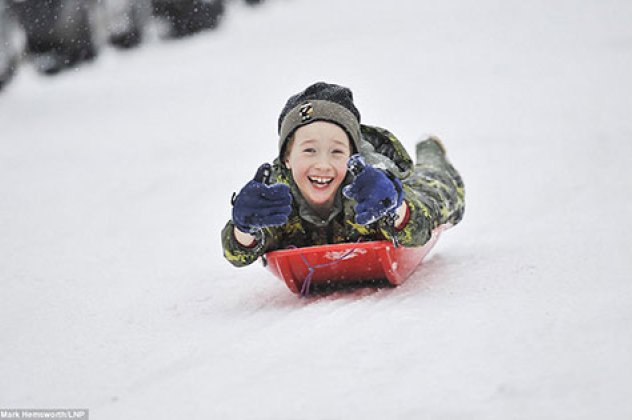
(318, 158)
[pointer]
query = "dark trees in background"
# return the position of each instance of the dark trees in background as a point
(60, 34)
(125, 21)
(186, 17)
(8, 51)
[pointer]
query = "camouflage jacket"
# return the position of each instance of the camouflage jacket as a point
(433, 191)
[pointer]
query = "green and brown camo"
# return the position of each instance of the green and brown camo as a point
(434, 193)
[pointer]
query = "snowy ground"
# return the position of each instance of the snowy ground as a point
(115, 182)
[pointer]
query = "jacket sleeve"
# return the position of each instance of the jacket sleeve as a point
(434, 193)
(381, 149)
(239, 255)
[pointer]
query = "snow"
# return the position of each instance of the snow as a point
(116, 180)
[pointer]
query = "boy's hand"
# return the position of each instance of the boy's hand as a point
(375, 192)
(259, 205)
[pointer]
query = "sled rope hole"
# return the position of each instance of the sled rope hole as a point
(312, 268)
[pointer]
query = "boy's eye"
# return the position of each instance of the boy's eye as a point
(309, 150)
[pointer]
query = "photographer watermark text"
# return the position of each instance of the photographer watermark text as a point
(57, 413)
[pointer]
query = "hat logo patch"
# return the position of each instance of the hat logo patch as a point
(306, 112)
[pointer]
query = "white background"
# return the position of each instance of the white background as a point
(115, 181)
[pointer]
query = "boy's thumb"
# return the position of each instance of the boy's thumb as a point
(263, 173)
(356, 164)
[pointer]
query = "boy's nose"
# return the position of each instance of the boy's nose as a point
(322, 161)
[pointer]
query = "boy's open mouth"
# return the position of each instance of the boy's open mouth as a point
(320, 181)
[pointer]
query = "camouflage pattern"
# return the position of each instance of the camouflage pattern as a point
(433, 189)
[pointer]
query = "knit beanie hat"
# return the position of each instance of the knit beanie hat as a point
(320, 102)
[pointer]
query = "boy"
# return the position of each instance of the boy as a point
(307, 197)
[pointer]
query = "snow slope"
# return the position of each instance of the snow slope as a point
(116, 178)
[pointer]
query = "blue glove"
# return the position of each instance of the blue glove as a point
(259, 205)
(376, 193)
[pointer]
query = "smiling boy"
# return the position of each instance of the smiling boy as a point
(317, 156)
(311, 199)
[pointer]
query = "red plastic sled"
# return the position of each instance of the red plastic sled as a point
(346, 263)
